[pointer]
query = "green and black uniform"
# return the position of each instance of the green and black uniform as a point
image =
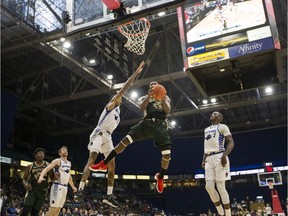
(154, 126)
(36, 196)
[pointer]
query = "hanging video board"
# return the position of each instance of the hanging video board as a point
(212, 31)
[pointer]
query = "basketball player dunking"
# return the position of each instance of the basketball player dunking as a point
(153, 126)
(216, 163)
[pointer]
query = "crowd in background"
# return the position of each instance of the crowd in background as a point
(13, 192)
(12, 197)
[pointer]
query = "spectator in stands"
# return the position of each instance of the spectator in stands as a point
(259, 211)
(268, 209)
(248, 203)
(234, 204)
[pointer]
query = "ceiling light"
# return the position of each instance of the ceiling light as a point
(268, 90)
(67, 44)
(110, 77)
(162, 13)
(93, 61)
(89, 61)
(173, 123)
(222, 69)
(205, 101)
(213, 100)
(134, 94)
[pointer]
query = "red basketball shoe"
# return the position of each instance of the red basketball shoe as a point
(159, 184)
(99, 167)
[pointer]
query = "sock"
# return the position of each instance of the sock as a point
(110, 157)
(162, 173)
(228, 212)
(220, 210)
(109, 190)
(81, 185)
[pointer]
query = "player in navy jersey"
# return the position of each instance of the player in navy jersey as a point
(216, 162)
(101, 140)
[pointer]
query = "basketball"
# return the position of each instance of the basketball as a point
(158, 92)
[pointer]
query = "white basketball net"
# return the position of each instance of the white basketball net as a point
(136, 32)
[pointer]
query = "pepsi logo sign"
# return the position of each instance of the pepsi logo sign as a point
(195, 49)
(190, 50)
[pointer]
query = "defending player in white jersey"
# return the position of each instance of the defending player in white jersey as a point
(59, 187)
(101, 140)
(216, 163)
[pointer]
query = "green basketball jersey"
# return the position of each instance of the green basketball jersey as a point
(34, 176)
(155, 110)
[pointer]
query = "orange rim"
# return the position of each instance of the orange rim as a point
(129, 23)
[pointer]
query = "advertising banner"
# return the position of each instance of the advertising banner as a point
(209, 57)
(225, 42)
(196, 49)
(252, 47)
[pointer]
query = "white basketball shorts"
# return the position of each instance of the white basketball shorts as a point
(214, 169)
(101, 143)
(58, 195)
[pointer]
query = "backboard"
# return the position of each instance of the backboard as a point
(264, 178)
(92, 16)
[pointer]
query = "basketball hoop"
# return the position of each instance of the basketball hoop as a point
(270, 185)
(136, 32)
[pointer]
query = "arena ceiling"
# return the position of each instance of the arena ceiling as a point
(60, 95)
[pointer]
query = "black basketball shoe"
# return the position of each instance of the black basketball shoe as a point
(111, 200)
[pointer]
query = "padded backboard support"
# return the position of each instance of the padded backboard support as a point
(112, 4)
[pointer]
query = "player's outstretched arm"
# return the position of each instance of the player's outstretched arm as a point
(117, 99)
(54, 163)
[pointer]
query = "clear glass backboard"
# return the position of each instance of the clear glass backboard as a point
(94, 15)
